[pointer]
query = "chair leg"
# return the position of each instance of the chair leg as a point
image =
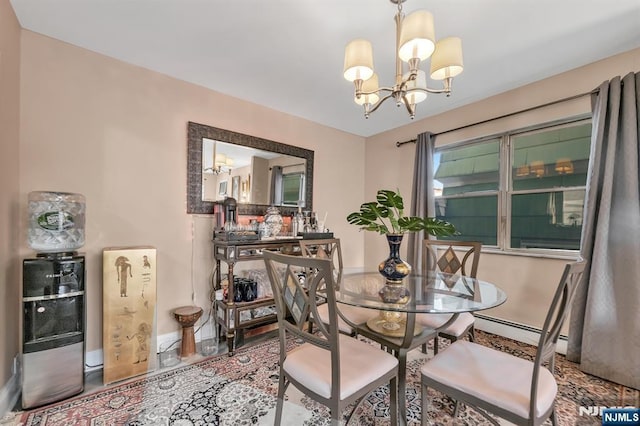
(456, 410)
(472, 334)
(554, 418)
(393, 400)
(280, 403)
(435, 345)
(335, 418)
(423, 404)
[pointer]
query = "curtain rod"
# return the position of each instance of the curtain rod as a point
(290, 165)
(570, 98)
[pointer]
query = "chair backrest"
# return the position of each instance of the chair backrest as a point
(325, 249)
(294, 297)
(444, 256)
(556, 315)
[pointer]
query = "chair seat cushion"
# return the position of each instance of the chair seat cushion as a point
(360, 364)
(496, 377)
(353, 313)
(457, 328)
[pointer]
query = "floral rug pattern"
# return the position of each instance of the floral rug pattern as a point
(241, 390)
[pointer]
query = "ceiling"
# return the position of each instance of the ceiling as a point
(288, 54)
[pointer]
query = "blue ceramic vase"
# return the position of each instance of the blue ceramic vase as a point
(394, 270)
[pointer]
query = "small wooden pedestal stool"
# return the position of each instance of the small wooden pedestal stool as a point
(187, 317)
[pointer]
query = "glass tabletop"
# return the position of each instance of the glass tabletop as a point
(435, 292)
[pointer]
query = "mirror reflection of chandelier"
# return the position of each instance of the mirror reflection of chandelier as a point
(537, 168)
(415, 42)
(564, 166)
(522, 171)
(222, 164)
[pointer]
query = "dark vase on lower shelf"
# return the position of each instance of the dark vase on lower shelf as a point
(394, 269)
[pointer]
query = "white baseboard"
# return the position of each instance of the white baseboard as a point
(94, 360)
(519, 332)
(171, 341)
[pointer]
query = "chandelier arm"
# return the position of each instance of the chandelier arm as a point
(411, 108)
(428, 90)
(377, 104)
(402, 87)
(446, 90)
(387, 89)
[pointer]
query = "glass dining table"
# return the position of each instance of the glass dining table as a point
(431, 293)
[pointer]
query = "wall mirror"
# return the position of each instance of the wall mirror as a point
(256, 172)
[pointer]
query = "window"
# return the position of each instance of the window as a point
(292, 188)
(517, 190)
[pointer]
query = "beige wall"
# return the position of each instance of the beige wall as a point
(9, 186)
(529, 282)
(118, 133)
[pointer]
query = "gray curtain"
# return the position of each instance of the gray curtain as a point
(275, 197)
(604, 336)
(422, 202)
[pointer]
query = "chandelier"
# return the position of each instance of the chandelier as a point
(415, 42)
(222, 163)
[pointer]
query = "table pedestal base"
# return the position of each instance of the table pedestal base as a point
(393, 324)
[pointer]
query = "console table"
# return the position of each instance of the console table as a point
(227, 312)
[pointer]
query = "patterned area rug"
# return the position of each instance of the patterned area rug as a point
(241, 390)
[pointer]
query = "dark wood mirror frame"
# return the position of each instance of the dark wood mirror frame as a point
(196, 132)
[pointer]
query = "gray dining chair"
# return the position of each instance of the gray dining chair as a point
(348, 316)
(453, 257)
(330, 367)
(515, 389)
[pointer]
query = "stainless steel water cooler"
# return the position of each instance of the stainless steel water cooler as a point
(53, 348)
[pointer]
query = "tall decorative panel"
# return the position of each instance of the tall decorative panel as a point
(129, 312)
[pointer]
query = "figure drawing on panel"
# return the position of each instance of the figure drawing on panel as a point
(123, 267)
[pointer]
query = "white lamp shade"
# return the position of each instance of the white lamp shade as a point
(417, 36)
(370, 85)
(447, 59)
(358, 60)
(416, 96)
(221, 159)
